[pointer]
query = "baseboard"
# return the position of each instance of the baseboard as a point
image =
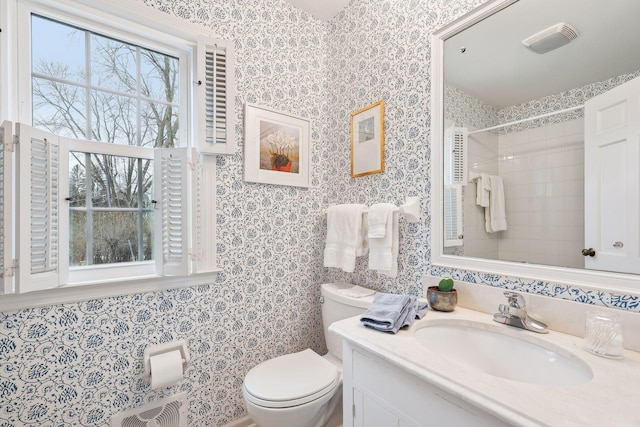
(242, 422)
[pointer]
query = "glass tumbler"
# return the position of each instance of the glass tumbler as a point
(603, 334)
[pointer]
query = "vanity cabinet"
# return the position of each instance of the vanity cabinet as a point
(380, 394)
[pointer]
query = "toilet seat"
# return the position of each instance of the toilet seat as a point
(291, 380)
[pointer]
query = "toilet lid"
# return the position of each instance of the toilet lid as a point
(291, 380)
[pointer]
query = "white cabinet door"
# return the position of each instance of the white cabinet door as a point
(380, 394)
(371, 413)
(612, 179)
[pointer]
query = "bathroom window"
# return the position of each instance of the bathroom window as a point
(89, 86)
(112, 163)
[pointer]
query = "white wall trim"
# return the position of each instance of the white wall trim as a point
(106, 289)
(242, 422)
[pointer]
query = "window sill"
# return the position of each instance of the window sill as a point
(102, 289)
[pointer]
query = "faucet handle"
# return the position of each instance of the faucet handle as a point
(503, 308)
(515, 299)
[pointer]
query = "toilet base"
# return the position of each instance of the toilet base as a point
(323, 412)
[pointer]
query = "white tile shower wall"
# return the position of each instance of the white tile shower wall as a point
(77, 364)
(542, 170)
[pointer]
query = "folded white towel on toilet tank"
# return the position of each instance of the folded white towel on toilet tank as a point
(355, 291)
(391, 312)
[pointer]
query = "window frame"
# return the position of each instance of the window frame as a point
(75, 275)
(136, 22)
(85, 274)
(184, 54)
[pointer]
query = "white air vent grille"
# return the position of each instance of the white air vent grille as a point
(169, 412)
(570, 32)
(455, 156)
(551, 38)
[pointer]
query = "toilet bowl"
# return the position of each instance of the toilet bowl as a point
(299, 389)
(304, 389)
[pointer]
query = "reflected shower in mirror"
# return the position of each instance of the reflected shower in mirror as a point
(516, 173)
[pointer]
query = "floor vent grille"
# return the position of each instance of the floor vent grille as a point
(168, 412)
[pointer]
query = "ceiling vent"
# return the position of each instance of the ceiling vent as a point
(551, 38)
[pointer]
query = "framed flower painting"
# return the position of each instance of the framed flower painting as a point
(277, 147)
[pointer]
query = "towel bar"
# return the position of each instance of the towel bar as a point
(410, 210)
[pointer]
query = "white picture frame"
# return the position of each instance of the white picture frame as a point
(277, 147)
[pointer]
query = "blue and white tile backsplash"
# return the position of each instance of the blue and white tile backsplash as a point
(78, 364)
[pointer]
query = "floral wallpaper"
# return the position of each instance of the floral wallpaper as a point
(557, 102)
(465, 110)
(78, 364)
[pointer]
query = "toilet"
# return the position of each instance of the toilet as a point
(304, 389)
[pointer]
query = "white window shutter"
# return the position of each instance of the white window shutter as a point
(204, 214)
(173, 183)
(215, 95)
(6, 205)
(455, 156)
(39, 218)
(453, 216)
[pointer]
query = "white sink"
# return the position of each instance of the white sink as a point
(505, 352)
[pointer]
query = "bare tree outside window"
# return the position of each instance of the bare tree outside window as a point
(92, 87)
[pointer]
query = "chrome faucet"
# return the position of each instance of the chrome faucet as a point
(515, 314)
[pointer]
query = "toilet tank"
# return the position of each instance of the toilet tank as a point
(337, 305)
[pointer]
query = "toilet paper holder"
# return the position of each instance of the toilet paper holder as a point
(165, 348)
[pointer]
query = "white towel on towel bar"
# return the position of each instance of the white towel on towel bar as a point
(377, 219)
(346, 236)
(483, 190)
(383, 252)
(495, 214)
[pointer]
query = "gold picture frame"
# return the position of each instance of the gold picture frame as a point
(367, 140)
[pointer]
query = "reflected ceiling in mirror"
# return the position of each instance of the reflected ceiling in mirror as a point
(489, 62)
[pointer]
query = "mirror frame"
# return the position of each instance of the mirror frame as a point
(587, 279)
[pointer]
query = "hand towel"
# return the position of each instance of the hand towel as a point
(383, 252)
(483, 190)
(345, 238)
(495, 213)
(377, 219)
(391, 312)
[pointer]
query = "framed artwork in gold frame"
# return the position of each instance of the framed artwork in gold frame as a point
(367, 140)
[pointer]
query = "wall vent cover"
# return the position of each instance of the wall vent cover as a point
(167, 412)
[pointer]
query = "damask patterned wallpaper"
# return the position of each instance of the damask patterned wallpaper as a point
(78, 364)
(465, 110)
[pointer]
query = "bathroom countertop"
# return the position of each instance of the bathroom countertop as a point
(610, 398)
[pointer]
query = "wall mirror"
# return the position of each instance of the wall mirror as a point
(535, 142)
